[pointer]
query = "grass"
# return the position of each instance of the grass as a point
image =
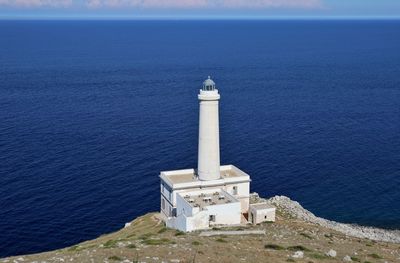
(196, 243)
(290, 260)
(145, 236)
(318, 256)
(267, 223)
(356, 259)
(74, 248)
(298, 247)
(375, 256)
(155, 241)
(274, 247)
(179, 233)
(221, 240)
(136, 260)
(110, 243)
(162, 230)
(115, 258)
(131, 246)
(306, 235)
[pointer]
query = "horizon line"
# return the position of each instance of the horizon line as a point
(195, 18)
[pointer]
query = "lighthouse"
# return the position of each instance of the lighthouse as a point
(213, 194)
(208, 166)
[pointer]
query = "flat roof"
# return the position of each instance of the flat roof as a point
(204, 199)
(261, 206)
(179, 178)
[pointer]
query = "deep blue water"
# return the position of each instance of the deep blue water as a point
(90, 112)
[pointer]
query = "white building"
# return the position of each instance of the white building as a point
(213, 194)
(261, 212)
(205, 208)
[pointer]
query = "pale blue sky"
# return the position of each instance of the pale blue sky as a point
(202, 9)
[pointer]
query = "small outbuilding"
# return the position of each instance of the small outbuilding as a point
(261, 212)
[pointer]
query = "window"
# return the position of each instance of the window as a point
(211, 218)
(265, 217)
(234, 190)
(162, 204)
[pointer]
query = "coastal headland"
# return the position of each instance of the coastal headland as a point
(296, 236)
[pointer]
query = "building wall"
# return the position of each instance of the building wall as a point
(225, 214)
(241, 192)
(166, 204)
(189, 224)
(208, 149)
(183, 207)
(262, 215)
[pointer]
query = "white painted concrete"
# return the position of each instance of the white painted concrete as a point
(190, 217)
(176, 210)
(261, 212)
(208, 152)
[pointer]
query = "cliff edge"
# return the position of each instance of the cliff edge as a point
(296, 236)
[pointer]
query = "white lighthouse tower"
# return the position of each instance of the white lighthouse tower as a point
(208, 156)
(212, 195)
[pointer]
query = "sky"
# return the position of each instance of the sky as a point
(198, 9)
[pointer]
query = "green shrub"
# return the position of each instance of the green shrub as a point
(196, 243)
(155, 241)
(179, 233)
(145, 236)
(221, 240)
(162, 230)
(355, 259)
(115, 258)
(74, 248)
(274, 247)
(297, 248)
(375, 256)
(110, 243)
(319, 256)
(306, 235)
(290, 260)
(131, 246)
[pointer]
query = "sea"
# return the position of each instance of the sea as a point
(92, 111)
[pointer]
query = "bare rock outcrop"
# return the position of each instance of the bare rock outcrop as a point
(295, 210)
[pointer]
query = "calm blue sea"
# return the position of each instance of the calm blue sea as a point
(92, 111)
